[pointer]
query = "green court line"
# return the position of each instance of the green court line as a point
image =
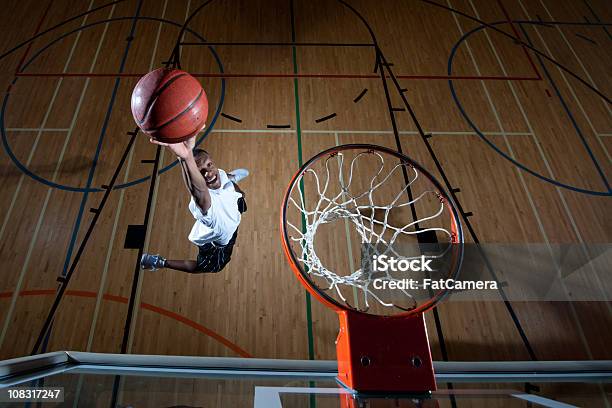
(300, 162)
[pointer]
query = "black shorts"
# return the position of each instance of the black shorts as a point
(212, 257)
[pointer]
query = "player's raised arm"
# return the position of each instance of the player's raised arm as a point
(192, 175)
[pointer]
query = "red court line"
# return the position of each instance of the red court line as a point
(119, 299)
(27, 51)
(517, 35)
(335, 76)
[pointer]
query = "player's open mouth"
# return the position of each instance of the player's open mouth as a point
(212, 180)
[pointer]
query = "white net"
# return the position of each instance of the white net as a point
(367, 209)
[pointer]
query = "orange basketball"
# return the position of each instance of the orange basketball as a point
(169, 105)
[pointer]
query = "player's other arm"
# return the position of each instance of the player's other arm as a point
(191, 174)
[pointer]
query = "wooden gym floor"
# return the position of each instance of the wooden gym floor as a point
(65, 116)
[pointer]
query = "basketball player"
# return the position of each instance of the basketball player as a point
(216, 204)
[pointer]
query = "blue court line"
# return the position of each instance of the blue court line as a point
(482, 136)
(95, 159)
(101, 139)
(49, 183)
(569, 114)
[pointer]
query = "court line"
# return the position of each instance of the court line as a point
(578, 23)
(49, 321)
(349, 242)
(230, 117)
(574, 313)
(69, 135)
(153, 199)
(274, 44)
(530, 351)
(571, 88)
(597, 18)
(77, 110)
(215, 130)
(147, 306)
(520, 174)
(381, 65)
(493, 145)
(572, 308)
(130, 38)
(296, 97)
(568, 111)
(15, 48)
(109, 251)
(453, 193)
(37, 129)
(134, 182)
(105, 123)
(8, 213)
(516, 33)
(414, 132)
(38, 27)
(279, 75)
(402, 132)
(97, 306)
(361, 95)
(540, 54)
(561, 196)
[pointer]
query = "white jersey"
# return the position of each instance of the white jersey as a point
(222, 218)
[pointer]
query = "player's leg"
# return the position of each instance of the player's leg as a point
(211, 259)
(182, 265)
(154, 262)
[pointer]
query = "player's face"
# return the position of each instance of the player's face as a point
(210, 172)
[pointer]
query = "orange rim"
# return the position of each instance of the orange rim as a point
(455, 227)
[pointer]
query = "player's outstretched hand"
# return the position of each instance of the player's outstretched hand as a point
(182, 150)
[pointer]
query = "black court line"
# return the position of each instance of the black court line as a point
(67, 272)
(174, 62)
(398, 144)
(555, 22)
(380, 58)
(596, 164)
(596, 18)
(21, 44)
(376, 64)
(525, 44)
(278, 44)
(538, 23)
(278, 126)
(500, 150)
(230, 117)
(361, 95)
(436, 314)
(466, 219)
(66, 279)
(586, 38)
(137, 270)
(324, 118)
(424, 138)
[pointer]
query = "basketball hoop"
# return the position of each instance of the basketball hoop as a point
(379, 205)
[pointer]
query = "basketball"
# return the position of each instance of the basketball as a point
(169, 105)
